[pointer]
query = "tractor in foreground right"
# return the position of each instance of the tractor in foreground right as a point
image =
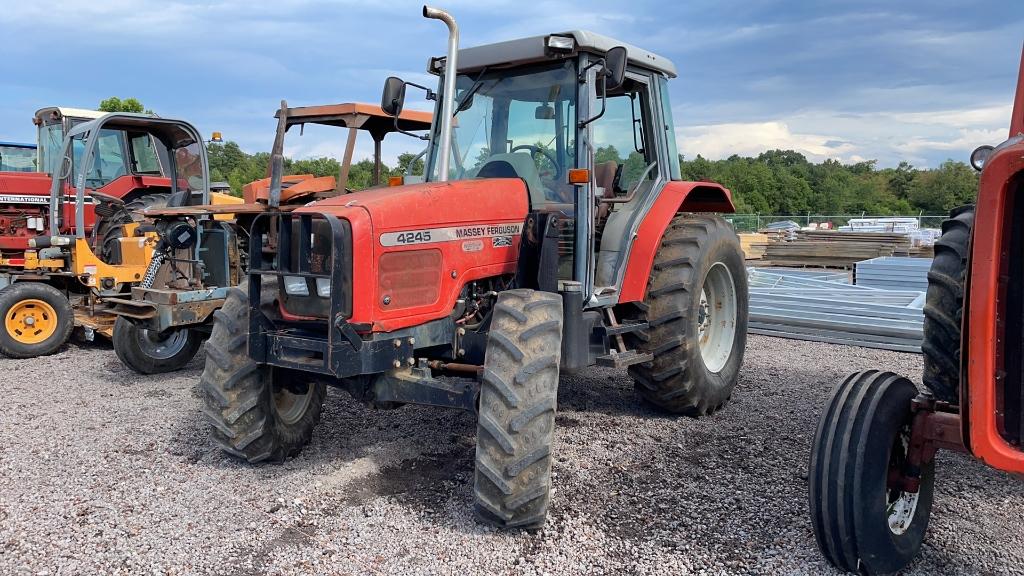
(872, 469)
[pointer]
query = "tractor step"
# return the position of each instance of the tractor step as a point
(625, 328)
(623, 359)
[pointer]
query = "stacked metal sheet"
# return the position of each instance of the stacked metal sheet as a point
(893, 273)
(792, 306)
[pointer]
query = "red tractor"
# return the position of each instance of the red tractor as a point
(872, 469)
(531, 249)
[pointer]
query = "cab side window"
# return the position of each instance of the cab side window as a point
(622, 155)
(144, 155)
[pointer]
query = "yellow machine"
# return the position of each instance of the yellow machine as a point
(91, 240)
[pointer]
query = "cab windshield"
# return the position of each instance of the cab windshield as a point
(516, 125)
(17, 158)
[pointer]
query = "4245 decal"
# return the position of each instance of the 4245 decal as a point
(451, 234)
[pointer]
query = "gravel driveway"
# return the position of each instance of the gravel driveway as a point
(103, 471)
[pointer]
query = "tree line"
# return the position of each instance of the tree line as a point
(780, 182)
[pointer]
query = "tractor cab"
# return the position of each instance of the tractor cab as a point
(585, 122)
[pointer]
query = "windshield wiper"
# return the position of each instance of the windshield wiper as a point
(469, 93)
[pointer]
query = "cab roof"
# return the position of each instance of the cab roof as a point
(534, 48)
(58, 112)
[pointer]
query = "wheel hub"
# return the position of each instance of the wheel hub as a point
(291, 401)
(31, 321)
(900, 505)
(716, 317)
(163, 346)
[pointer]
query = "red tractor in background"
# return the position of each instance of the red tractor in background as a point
(872, 469)
(519, 258)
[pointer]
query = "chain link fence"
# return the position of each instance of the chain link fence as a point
(755, 222)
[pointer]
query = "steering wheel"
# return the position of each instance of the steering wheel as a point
(534, 150)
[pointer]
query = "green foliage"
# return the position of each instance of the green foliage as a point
(785, 182)
(115, 104)
(775, 182)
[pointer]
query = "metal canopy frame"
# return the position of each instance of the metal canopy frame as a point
(357, 116)
(172, 133)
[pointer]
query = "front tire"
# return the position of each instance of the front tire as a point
(516, 422)
(149, 353)
(860, 523)
(38, 320)
(256, 413)
(696, 309)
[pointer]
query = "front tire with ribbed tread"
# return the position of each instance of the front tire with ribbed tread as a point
(863, 434)
(944, 306)
(516, 422)
(678, 379)
(110, 229)
(241, 401)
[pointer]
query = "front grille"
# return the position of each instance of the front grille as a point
(311, 263)
(1010, 390)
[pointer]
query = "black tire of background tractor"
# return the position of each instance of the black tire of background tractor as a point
(240, 401)
(19, 292)
(109, 229)
(944, 306)
(131, 349)
(518, 397)
(849, 470)
(677, 380)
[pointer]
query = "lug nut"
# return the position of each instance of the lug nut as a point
(398, 343)
(462, 352)
(411, 361)
(398, 364)
(412, 341)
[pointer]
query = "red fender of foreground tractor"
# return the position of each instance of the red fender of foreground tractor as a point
(989, 349)
(675, 197)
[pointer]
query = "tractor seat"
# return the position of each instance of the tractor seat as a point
(516, 165)
(604, 179)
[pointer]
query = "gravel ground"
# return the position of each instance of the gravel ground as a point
(106, 472)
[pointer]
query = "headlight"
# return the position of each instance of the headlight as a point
(295, 286)
(561, 43)
(323, 287)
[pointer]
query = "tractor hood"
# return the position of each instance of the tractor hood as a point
(30, 183)
(434, 205)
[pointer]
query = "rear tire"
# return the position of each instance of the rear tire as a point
(860, 524)
(518, 397)
(696, 309)
(944, 306)
(111, 229)
(147, 353)
(255, 413)
(37, 320)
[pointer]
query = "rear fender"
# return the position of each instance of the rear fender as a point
(675, 197)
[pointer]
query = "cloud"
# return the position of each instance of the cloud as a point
(751, 138)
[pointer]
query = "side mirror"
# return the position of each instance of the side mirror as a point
(614, 67)
(393, 98)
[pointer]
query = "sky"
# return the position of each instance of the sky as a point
(917, 80)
